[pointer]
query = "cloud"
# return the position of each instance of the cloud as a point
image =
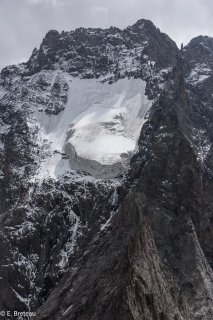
(53, 3)
(100, 15)
(29, 20)
(99, 10)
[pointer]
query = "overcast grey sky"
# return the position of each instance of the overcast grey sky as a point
(23, 23)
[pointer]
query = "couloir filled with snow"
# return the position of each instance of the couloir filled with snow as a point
(98, 129)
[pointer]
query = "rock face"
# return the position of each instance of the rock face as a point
(106, 177)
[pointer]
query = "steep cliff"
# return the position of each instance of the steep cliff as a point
(106, 177)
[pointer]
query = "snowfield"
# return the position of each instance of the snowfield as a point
(98, 130)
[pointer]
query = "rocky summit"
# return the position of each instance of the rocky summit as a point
(106, 178)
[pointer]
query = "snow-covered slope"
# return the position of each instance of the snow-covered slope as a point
(98, 129)
(109, 120)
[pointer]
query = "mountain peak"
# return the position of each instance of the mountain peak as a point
(201, 40)
(143, 23)
(139, 244)
(96, 49)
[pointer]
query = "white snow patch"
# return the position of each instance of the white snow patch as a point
(71, 243)
(67, 309)
(107, 223)
(106, 119)
(113, 199)
(26, 301)
(200, 73)
(101, 121)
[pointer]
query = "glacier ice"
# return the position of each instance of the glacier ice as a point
(98, 130)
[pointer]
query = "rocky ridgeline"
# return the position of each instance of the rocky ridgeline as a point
(93, 52)
(138, 246)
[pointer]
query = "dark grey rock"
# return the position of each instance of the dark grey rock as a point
(138, 246)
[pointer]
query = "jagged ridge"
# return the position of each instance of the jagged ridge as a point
(137, 246)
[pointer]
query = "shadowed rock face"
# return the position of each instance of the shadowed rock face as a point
(96, 169)
(134, 247)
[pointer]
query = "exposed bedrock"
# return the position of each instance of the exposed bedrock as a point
(136, 247)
